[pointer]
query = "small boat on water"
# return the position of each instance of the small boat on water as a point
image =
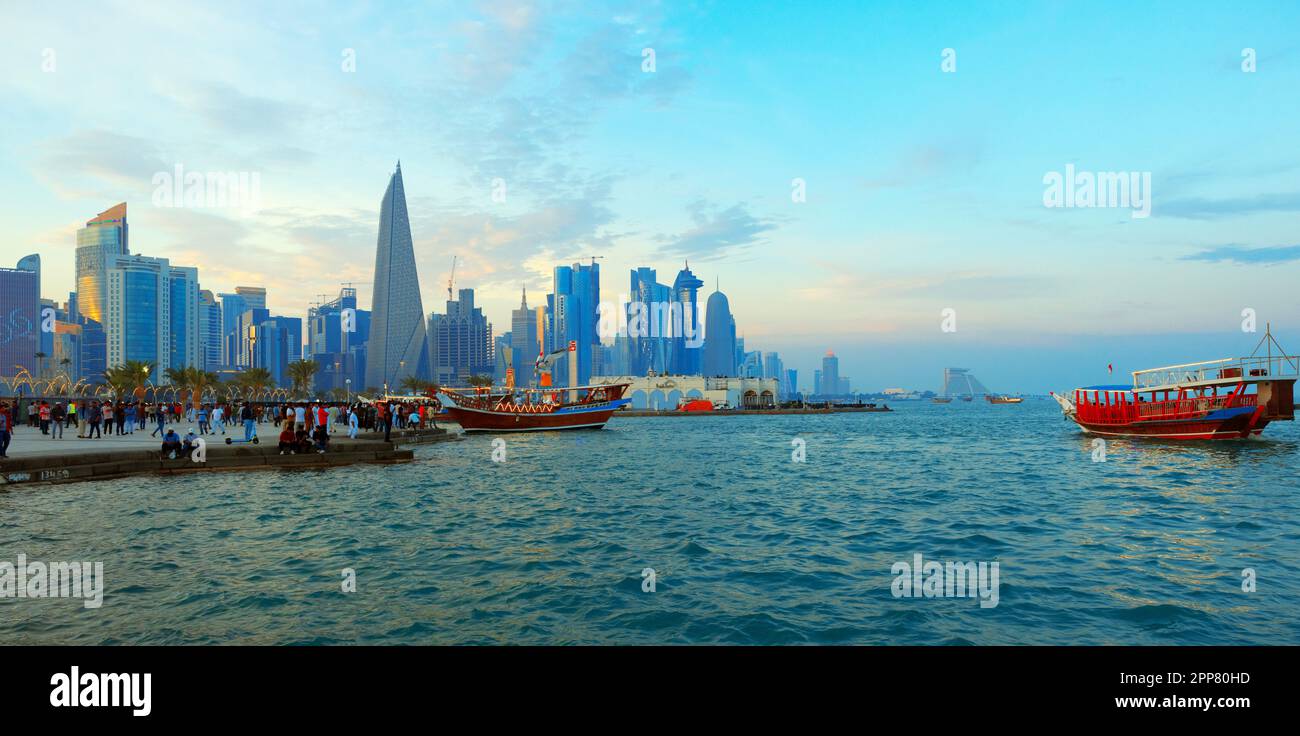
(942, 399)
(1003, 399)
(1229, 398)
(535, 409)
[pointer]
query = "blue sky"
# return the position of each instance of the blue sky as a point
(924, 188)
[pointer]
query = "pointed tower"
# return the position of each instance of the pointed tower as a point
(399, 344)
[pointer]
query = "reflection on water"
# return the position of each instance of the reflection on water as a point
(748, 547)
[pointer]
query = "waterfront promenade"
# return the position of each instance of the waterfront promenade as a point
(35, 458)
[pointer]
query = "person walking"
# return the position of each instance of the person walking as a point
(218, 419)
(161, 416)
(44, 414)
(72, 417)
(352, 423)
(203, 419)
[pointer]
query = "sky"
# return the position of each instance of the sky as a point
(922, 135)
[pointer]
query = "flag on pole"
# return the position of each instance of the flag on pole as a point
(1110, 367)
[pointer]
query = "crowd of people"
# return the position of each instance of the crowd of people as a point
(306, 426)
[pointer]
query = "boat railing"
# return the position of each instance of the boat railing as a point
(1259, 367)
(1127, 410)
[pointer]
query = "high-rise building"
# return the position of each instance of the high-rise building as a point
(210, 327)
(183, 305)
(272, 346)
(574, 317)
(686, 350)
(773, 368)
(462, 342)
(233, 307)
(830, 383)
(649, 344)
(791, 382)
(254, 296)
(504, 351)
(20, 320)
(138, 312)
(246, 337)
(104, 236)
(719, 357)
(336, 339)
(399, 344)
(525, 343)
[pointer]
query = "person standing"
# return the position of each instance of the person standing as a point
(6, 429)
(352, 423)
(250, 426)
(44, 414)
(300, 416)
(203, 419)
(92, 421)
(72, 417)
(57, 415)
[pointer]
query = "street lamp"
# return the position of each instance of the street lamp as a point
(348, 383)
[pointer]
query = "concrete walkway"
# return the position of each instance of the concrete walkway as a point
(29, 442)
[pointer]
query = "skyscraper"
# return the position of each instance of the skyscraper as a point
(525, 343)
(574, 317)
(399, 344)
(210, 326)
(103, 236)
(138, 312)
(719, 357)
(830, 383)
(183, 304)
(232, 307)
(20, 320)
(254, 296)
(650, 348)
(462, 342)
(686, 351)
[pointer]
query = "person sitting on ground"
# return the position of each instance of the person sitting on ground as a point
(322, 437)
(171, 444)
(191, 441)
(301, 439)
(288, 442)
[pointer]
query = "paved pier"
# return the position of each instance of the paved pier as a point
(37, 458)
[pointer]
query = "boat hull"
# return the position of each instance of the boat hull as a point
(477, 420)
(1238, 425)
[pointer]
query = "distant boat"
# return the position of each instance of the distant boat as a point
(534, 410)
(942, 399)
(1003, 399)
(1210, 400)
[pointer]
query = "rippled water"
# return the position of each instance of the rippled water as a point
(748, 547)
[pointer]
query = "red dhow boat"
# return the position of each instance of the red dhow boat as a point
(1211, 400)
(536, 409)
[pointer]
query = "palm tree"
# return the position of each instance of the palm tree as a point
(138, 372)
(194, 380)
(301, 374)
(254, 381)
(119, 380)
(479, 380)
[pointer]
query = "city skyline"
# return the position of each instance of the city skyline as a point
(906, 213)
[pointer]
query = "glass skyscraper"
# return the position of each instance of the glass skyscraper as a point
(210, 326)
(138, 312)
(399, 344)
(525, 343)
(104, 236)
(574, 317)
(719, 357)
(20, 320)
(686, 358)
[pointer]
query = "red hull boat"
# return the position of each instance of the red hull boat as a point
(536, 410)
(1232, 398)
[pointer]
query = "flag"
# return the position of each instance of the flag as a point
(1110, 367)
